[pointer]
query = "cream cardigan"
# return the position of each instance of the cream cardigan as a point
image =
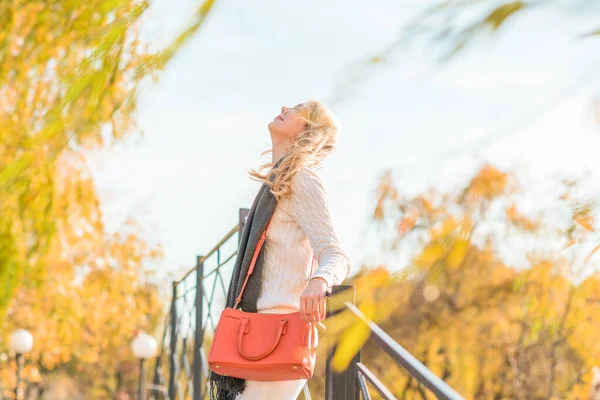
(300, 228)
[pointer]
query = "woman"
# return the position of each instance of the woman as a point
(301, 227)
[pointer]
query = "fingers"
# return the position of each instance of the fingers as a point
(315, 309)
(318, 308)
(322, 310)
(302, 310)
(312, 308)
(306, 307)
(310, 311)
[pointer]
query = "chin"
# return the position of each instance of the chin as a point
(272, 126)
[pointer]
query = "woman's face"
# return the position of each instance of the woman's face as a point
(289, 123)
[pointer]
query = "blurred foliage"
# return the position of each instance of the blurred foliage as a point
(492, 330)
(70, 72)
(92, 300)
(445, 21)
(448, 27)
(69, 78)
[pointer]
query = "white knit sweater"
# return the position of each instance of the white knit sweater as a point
(300, 228)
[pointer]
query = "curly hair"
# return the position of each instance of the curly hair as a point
(308, 149)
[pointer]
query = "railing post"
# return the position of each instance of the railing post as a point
(156, 380)
(242, 222)
(173, 344)
(342, 386)
(199, 330)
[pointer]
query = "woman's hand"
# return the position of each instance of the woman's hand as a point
(312, 301)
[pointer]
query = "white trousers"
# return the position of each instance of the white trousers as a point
(275, 390)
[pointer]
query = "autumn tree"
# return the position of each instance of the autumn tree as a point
(70, 73)
(499, 302)
(69, 77)
(93, 296)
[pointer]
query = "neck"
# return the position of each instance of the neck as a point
(280, 149)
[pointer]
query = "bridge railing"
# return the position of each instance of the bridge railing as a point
(181, 368)
(354, 382)
(197, 299)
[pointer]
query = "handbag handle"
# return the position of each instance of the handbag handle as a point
(244, 329)
(259, 245)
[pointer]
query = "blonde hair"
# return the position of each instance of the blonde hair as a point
(308, 149)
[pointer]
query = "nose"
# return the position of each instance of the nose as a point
(283, 109)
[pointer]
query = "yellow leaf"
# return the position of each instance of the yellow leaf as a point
(15, 169)
(408, 222)
(488, 183)
(373, 279)
(585, 223)
(511, 212)
(430, 255)
(448, 227)
(352, 340)
(457, 253)
(206, 7)
(498, 16)
(592, 253)
(593, 33)
(339, 323)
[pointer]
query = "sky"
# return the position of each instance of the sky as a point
(521, 99)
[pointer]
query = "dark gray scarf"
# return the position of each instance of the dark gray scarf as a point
(263, 207)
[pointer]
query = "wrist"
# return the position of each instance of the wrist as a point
(320, 279)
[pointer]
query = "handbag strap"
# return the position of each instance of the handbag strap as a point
(261, 241)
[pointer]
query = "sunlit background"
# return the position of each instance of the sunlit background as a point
(468, 168)
(522, 98)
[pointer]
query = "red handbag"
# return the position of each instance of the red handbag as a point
(262, 347)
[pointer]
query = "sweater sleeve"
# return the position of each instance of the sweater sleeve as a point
(310, 209)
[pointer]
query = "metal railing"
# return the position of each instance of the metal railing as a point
(181, 367)
(353, 382)
(198, 297)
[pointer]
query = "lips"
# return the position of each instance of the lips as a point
(279, 118)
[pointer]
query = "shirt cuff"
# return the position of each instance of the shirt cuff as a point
(328, 276)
